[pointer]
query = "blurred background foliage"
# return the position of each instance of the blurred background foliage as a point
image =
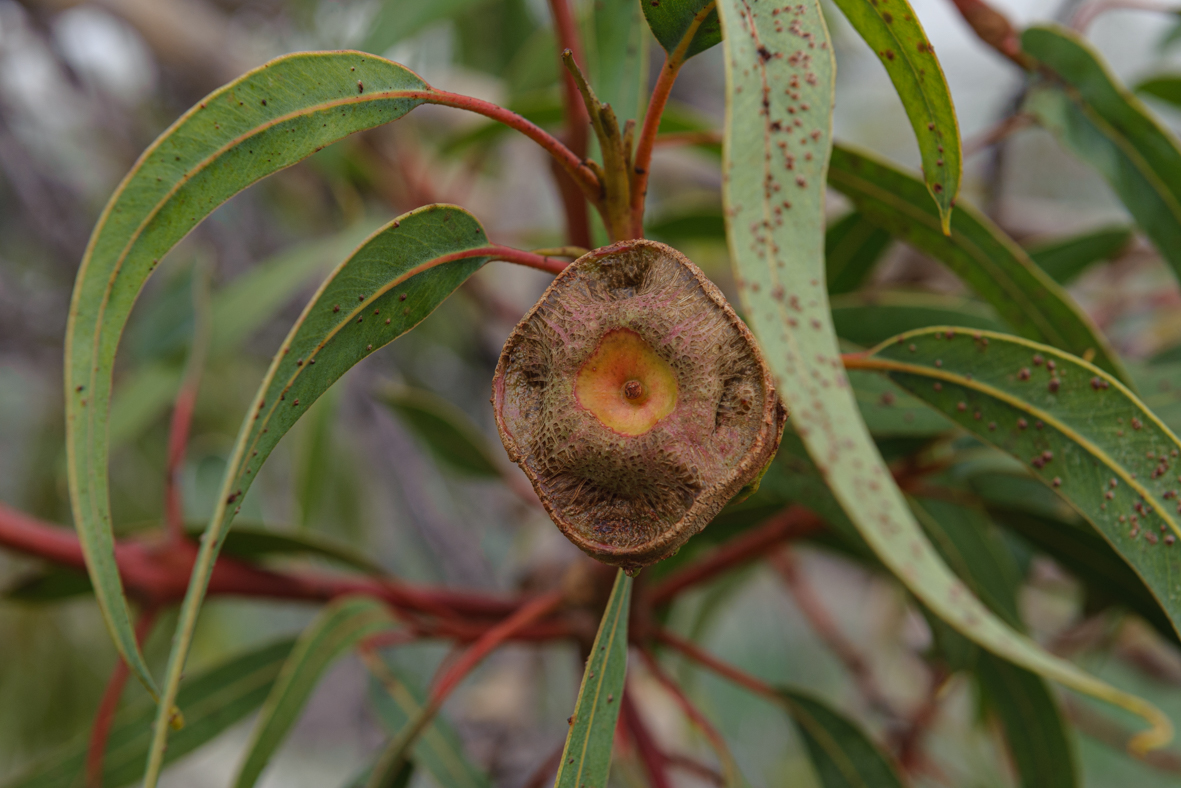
(399, 469)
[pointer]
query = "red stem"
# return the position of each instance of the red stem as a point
(651, 756)
(570, 161)
(530, 259)
(723, 669)
(574, 200)
(530, 612)
(642, 162)
(791, 523)
(105, 716)
(694, 715)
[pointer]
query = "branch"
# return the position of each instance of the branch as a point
(723, 669)
(574, 164)
(650, 755)
(574, 202)
(725, 757)
(791, 523)
(660, 93)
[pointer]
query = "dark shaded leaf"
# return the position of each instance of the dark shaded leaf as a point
(852, 246)
(445, 429)
(1066, 258)
(977, 251)
(844, 757)
(670, 21)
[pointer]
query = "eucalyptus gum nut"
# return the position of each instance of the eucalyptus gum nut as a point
(636, 401)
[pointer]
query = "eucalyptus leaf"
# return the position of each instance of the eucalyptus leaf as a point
(773, 191)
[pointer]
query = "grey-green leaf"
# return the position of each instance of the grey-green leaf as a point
(339, 627)
(213, 701)
(775, 228)
(894, 33)
(977, 251)
(389, 285)
(269, 119)
(843, 756)
(1107, 127)
(586, 758)
(445, 429)
(670, 21)
(1065, 258)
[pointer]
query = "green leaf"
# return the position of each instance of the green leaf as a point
(617, 50)
(852, 246)
(253, 543)
(844, 757)
(51, 584)
(269, 119)
(389, 285)
(778, 255)
(1073, 543)
(1107, 127)
(1166, 87)
(1079, 430)
(670, 21)
(398, 703)
(213, 701)
(586, 758)
(445, 429)
(338, 628)
(869, 318)
(1065, 258)
(398, 20)
(1042, 749)
(894, 34)
(1039, 739)
(977, 251)
(694, 225)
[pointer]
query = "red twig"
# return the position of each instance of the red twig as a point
(528, 613)
(642, 162)
(530, 259)
(577, 125)
(695, 716)
(571, 162)
(791, 523)
(910, 741)
(650, 755)
(105, 716)
(993, 28)
(723, 669)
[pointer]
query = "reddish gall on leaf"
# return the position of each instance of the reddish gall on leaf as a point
(636, 401)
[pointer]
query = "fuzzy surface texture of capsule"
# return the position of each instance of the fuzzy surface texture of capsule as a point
(636, 401)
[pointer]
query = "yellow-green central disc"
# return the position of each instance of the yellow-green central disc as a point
(625, 384)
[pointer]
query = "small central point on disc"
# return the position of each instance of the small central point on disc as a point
(625, 384)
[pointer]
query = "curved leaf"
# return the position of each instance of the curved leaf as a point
(339, 626)
(1065, 258)
(586, 759)
(389, 285)
(214, 700)
(852, 246)
(399, 703)
(870, 318)
(977, 251)
(269, 119)
(1080, 431)
(775, 228)
(445, 429)
(670, 20)
(894, 34)
(1166, 87)
(1108, 128)
(1038, 740)
(844, 757)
